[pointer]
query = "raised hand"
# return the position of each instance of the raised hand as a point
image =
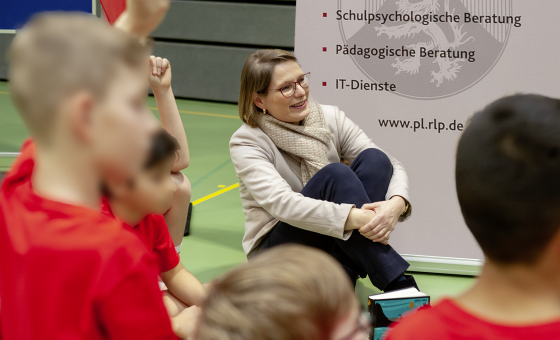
(160, 74)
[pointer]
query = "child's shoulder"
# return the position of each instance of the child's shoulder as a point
(106, 235)
(153, 221)
(115, 252)
(89, 235)
(154, 226)
(425, 324)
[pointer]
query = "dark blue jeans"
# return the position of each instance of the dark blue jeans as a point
(366, 181)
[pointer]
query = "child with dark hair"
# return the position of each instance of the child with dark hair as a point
(508, 184)
(160, 83)
(144, 202)
(140, 205)
(151, 191)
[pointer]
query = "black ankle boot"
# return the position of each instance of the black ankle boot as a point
(402, 282)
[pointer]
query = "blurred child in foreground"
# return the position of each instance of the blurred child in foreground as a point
(68, 271)
(508, 184)
(289, 292)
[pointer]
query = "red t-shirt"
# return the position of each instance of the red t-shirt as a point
(447, 321)
(153, 231)
(71, 272)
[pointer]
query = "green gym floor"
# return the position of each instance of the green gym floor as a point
(217, 225)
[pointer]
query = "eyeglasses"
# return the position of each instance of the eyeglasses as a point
(289, 89)
(365, 326)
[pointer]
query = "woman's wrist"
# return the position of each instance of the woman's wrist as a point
(358, 218)
(351, 221)
(400, 204)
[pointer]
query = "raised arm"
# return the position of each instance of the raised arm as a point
(141, 17)
(160, 83)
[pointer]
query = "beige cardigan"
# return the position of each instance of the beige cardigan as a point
(270, 181)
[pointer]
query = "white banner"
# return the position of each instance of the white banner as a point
(411, 73)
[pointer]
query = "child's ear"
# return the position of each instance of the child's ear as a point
(79, 109)
(118, 188)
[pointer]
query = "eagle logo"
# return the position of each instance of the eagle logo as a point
(465, 51)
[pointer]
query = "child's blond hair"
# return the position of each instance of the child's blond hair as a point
(58, 53)
(287, 293)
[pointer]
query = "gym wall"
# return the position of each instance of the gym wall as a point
(208, 41)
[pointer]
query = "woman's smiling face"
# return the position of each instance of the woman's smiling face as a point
(293, 109)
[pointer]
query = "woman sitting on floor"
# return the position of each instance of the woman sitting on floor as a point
(294, 188)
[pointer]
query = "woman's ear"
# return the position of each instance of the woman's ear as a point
(258, 101)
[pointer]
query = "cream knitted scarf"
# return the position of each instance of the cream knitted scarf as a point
(307, 143)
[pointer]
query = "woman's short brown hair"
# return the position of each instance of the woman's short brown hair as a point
(255, 78)
(290, 292)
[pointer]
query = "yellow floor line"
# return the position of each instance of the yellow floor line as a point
(4, 92)
(219, 192)
(201, 113)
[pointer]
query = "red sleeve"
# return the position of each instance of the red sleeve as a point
(164, 248)
(132, 305)
(113, 9)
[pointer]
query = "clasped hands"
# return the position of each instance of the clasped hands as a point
(376, 221)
